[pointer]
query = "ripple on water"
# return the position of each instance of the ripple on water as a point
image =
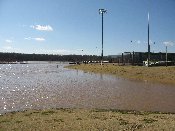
(46, 86)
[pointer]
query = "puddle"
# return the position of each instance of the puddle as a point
(46, 85)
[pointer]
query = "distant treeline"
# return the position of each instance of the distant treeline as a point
(11, 57)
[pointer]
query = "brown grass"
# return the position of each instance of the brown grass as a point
(153, 74)
(85, 120)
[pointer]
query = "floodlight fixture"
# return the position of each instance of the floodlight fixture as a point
(101, 11)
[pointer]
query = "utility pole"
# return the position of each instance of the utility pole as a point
(102, 11)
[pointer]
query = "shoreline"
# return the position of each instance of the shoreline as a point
(163, 75)
(93, 119)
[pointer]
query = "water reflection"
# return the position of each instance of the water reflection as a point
(46, 85)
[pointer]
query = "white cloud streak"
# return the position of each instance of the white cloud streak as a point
(143, 42)
(80, 50)
(28, 38)
(53, 51)
(8, 41)
(40, 39)
(7, 47)
(168, 43)
(136, 42)
(42, 27)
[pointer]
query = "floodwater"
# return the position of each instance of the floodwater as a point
(46, 85)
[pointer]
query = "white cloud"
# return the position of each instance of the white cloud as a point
(39, 39)
(42, 27)
(53, 51)
(136, 42)
(150, 42)
(168, 43)
(79, 49)
(7, 47)
(28, 38)
(8, 41)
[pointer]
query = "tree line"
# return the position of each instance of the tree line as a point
(11, 57)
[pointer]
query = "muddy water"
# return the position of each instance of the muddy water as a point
(43, 85)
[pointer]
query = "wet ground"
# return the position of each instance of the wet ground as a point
(49, 85)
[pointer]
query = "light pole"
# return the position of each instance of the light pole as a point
(148, 43)
(102, 11)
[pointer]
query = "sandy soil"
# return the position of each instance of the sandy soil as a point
(162, 74)
(85, 120)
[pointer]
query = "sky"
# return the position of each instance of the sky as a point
(74, 26)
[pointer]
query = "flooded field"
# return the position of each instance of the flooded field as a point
(50, 85)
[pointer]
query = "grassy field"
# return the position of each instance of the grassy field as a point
(162, 74)
(85, 120)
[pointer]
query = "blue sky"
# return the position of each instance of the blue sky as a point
(70, 26)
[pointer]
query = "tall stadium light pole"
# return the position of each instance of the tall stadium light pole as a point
(148, 43)
(102, 11)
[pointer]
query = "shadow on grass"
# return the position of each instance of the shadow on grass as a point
(48, 112)
(130, 111)
(68, 110)
(149, 120)
(4, 121)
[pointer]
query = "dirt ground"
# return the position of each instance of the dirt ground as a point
(85, 120)
(161, 74)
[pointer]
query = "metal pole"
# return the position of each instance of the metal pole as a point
(102, 41)
(148, 44)
(166, 56)
(102, 11)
